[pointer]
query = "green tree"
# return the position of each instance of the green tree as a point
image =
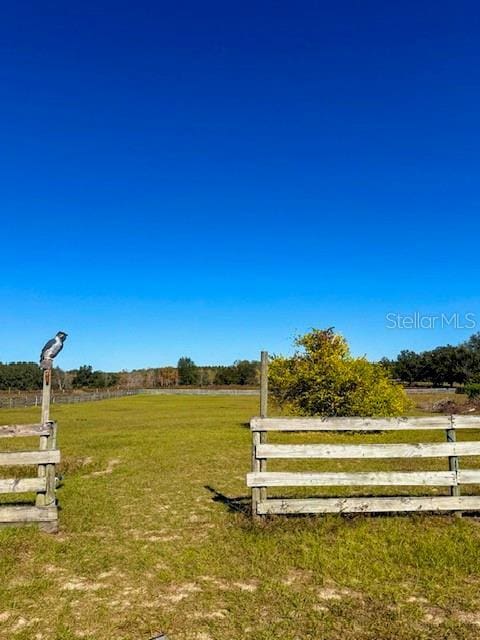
(20, 376)
(241, 372)
(224, 376)
(247, 372)
(83, 377)
(473, 343)
(410, 367)
(322, 378)
(446, 364)
(187, 371)
(86, 378)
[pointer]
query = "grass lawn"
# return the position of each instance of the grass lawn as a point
(154, 537)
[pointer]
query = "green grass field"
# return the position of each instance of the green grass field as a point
(154, 537)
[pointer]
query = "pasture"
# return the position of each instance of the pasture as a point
(155, 536)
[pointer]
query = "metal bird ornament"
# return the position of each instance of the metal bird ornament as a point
(52, 349)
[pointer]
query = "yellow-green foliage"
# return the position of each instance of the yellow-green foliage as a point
(322, 378)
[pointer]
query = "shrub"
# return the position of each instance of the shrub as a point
(323, 379)
(473, 390)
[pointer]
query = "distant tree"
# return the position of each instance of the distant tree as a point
(20, 376)
(83, 377)
(225, 376)
(247, 372)
(187, 371)
(207, 376)
(111, 378)
(447, 364)
(61, 379)
(242, 372)
(86, 378)
(388, 365)
(409, 367)
(473, 343)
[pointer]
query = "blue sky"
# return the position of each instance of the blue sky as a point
(209, 179)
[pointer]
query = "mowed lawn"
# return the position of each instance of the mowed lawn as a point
(154, 537)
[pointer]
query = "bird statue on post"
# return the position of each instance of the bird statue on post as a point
(52, 349)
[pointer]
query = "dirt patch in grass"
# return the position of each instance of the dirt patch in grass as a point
(335, 593)
(81, 584)
(225, 585)
(107, 471)
(469, 617)
(179, 592)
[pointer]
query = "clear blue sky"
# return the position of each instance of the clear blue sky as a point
(210, 178)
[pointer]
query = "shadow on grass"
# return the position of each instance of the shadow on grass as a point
(242, 504)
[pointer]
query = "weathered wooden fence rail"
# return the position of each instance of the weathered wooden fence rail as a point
(35, 399)
(454, 477)
(44, 511)
(20, 400)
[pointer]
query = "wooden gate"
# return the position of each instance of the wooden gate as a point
(454, 476)
(44, 511)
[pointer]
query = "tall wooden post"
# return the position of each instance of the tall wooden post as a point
(44, 440)
(264, 384)
(46, 394)
(259, 437)
(453, 461)
(263, 412)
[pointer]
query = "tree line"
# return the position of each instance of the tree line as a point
(240, 373)
(447, 365)
(27, 376)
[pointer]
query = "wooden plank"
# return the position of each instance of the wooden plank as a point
(12, 458)
(336, 479)
(22, 485)
(466, 422)
(23, 430)
(23, 514)
(468, 476)
(357, 424)
(418, 450)
(369, 505)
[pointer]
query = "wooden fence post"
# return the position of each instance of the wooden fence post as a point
(264, 384)
(260, 437)
(46, 393)
(453, 461)
(50, 498)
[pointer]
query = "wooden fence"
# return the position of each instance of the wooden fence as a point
(454, 476)
(44, 511)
